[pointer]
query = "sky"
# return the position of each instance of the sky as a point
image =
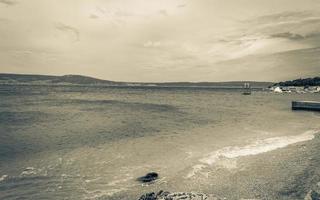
(162, 40)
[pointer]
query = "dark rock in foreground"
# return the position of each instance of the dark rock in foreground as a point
(148, 177)
(177, 196)
(312, 195)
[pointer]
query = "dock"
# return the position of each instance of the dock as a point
(306, 105)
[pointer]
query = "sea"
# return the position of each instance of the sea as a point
(90, 142)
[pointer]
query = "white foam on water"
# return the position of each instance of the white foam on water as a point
(29, 171)
(3, 178)
(258, 147)
(195, 169)
(92, 180)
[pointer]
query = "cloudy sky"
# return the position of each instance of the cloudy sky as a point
(162, 40)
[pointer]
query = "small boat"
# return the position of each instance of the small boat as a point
(247, 89)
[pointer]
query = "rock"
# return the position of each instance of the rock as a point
(148, 177)
(186, 196)
(177, 196)
(312, 195)
(148, 196)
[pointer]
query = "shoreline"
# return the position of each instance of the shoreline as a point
(288, 173)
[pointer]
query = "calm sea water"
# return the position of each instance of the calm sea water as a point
(93, 142)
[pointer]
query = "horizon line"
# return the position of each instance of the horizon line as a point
(88, 76)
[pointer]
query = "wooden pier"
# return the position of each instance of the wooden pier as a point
(306, 105)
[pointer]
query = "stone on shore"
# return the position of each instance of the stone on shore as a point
(177, 196)
(152, 176)
(312, 195)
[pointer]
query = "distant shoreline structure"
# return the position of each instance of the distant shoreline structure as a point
(307, 85)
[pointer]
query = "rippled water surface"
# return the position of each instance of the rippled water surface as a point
(59, 142)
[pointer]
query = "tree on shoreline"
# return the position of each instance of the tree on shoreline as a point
(301, 82)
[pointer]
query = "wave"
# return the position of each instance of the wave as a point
(258, 147)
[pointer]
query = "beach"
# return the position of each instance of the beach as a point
(77, 142)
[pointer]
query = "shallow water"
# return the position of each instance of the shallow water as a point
(62, 142)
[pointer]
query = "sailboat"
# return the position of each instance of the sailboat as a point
(247, 89)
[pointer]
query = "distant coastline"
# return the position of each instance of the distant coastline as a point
(78, 80)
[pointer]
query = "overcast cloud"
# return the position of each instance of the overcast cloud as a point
(168, 40)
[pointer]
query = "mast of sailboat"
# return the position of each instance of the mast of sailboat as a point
(247, 85)
(247, 89)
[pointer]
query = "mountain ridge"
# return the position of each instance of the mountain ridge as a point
(71, 79)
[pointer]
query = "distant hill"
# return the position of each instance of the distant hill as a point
(301, 82)
(45, 79)
(85, 80)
